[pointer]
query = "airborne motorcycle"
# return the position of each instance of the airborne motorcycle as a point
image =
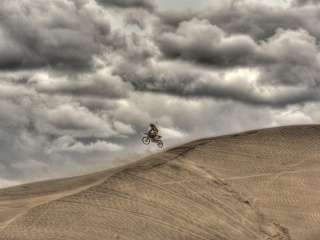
(157, 139)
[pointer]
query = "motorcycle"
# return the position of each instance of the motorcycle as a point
(147, 140)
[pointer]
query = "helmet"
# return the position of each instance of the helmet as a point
(152, 125)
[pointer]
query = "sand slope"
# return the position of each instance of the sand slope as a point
(16, 201)
(279, 169)
(209, 189)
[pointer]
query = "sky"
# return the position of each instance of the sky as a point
(80, 80)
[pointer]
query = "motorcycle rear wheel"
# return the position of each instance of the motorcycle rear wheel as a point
(160, 144)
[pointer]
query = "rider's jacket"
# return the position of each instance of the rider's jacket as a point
(153, 132)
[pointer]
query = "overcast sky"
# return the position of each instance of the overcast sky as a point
(80, 80)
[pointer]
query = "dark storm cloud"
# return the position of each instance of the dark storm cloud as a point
(288, 57)
(305, 2)
(146, 4)
(258, 21)
(182, 80)
(67, 36)
(199, 40)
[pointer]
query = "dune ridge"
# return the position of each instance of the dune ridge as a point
(214, 188)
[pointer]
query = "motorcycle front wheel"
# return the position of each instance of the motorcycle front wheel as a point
(146, 140)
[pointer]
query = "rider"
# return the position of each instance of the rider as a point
(153, 132)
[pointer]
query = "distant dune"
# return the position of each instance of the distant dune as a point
(262, 184)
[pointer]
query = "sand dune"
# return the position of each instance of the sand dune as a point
(16, 201)
(254, 185)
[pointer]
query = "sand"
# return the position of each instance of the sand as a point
(260, 184)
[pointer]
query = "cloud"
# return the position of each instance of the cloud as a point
(67, 144)
(67, 37)
(305, 2)
(123, 128)
(199, 40)
(287, 58)
(181, 79)
(102, 85)
(219, 49)
(137, 18)
(188, 116)
(146, 4)
(72, 119)
(292, 117)
(169, 134)
(6, 183)
(292, 58)
(252, 18)
(31, 129)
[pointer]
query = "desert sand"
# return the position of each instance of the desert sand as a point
(262, 184)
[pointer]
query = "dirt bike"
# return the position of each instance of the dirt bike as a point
(147, 140)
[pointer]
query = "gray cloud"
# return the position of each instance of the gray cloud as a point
(287, 58)
(68, 144)
(32, 132)
(305, 2)
(292, 58)
(216, 48)
(102, 85)
(221, 49)
(137, 18)
(256, 20)
(146, 4)
(68, 36)
(182, 80)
